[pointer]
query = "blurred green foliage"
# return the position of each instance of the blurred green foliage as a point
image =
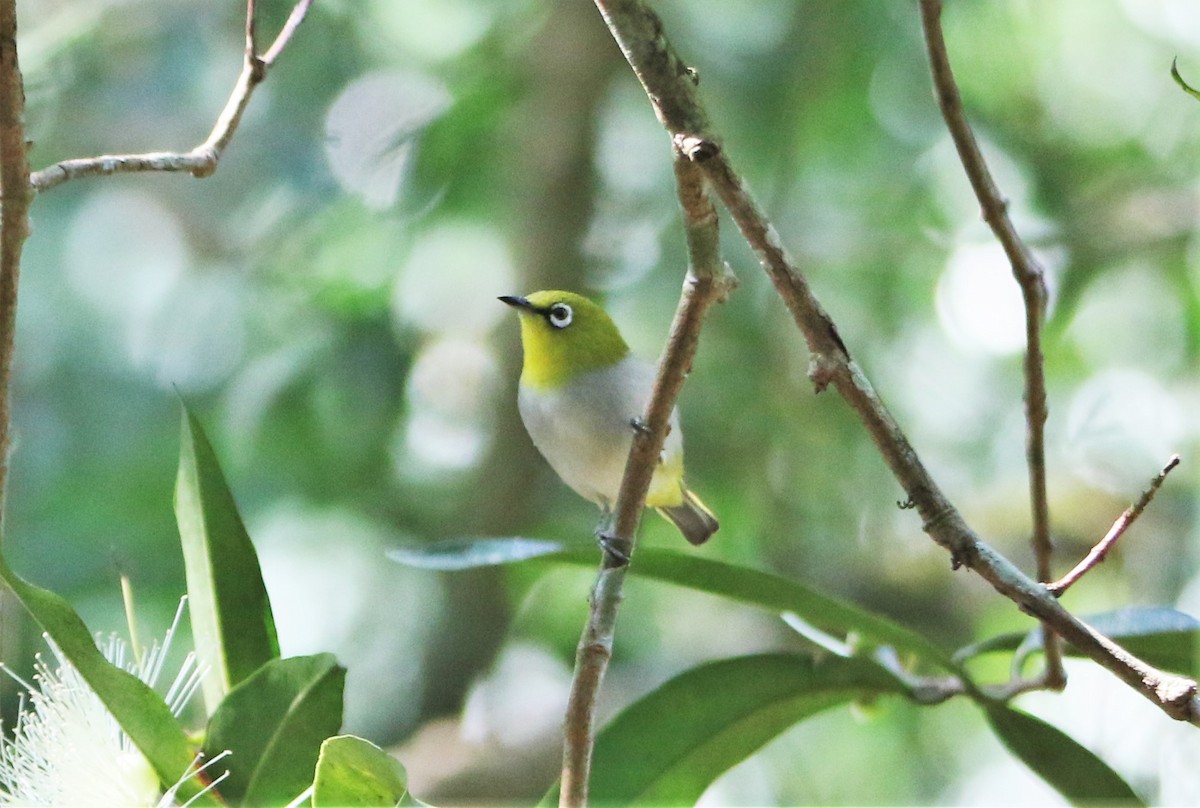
(326, 303)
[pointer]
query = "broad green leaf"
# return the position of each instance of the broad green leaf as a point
(715, 577)
(141, 713)
(1187, 88)
(231, 617)
(274, 723)
(1076, 773)
(1164, 637)
(352, 772)
(669, 746)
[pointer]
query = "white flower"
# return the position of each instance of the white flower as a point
(67, 749)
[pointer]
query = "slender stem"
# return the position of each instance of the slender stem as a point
(1124, 521)
(591, 663)
(1030, 278)
(202, 160)
(286, 32)
(251, 45)
(707, 282)
(14, 216)
(673, 93)
(135, 641)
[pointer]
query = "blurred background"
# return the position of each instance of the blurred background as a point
(326, 304)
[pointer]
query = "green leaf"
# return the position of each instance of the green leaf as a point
(232, 623)
(140, 712)
(779, 594)
(1163, 637)
(1187, 88)
(1076, 773)
(353, 772)
(274, 723)
(668, 747)
(715, 577)
(454, 555)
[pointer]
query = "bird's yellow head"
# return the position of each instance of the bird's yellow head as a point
(564, 334)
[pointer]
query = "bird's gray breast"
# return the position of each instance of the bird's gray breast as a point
(584, 428)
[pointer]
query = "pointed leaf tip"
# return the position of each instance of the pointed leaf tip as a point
(231, 617)
(1187, 88)
(1070, 768)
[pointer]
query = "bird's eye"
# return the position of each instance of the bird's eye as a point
(560, 315)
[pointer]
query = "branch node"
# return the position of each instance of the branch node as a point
(696, 148)
(822, 371)
(258, 68)
(1177, 692)
(206, 159)
(726, 283)
(616, 549)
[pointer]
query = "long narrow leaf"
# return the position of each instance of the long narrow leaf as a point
(781, 594)
(668, 747)
(274, 723)
(141, 713)
(231, 616)
(756, 588)
(454, 555)
(1164, 637)
(1076, 773)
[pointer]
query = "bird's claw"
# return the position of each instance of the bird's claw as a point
(615, 548)
(639, 426)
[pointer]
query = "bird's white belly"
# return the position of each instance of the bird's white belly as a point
(585, 428)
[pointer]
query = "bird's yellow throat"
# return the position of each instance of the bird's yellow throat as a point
(553, 356)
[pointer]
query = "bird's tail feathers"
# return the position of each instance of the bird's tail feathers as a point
(693, 518)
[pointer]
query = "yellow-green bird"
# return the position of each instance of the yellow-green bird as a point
(582, 394)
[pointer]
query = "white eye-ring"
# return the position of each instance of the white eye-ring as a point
(560, 315)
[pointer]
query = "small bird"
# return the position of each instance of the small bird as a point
(582, 395)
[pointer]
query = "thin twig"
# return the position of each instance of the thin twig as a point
(251, 48)
(706, 283)
(286, 32)
(14, 214)
(1123, 523)
(672, 91)
(202, 160)
(1031, 279)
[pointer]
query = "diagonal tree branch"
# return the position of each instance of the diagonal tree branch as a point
(1032, 281)
(672, 91)
(202, 160)
(707, 282)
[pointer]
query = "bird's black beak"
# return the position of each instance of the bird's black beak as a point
(515, 302)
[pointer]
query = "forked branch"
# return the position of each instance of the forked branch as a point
(671, 89)
(1030, 278)
(202, 160)
(18, 185)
